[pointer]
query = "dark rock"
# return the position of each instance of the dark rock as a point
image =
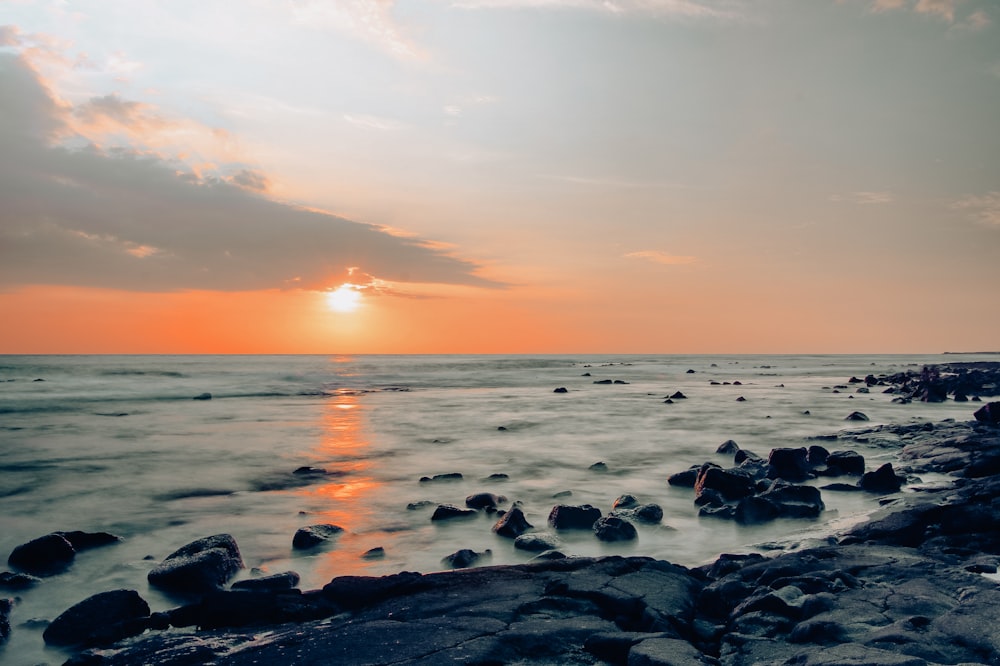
(841, 463)
(789, 464)
(498, 476)
(313, 535)
(566, 517)
(202, 565)
(728, 447)
(512, 524)
(743, 455)
(856, 416)
(6, 606)
(882, 480)
(376, 553)
(44, 556)
(561, 389)
(86, 540)
(625, 502)
(731, 484)
(464, 558)
(448, 511)
(816, 455)
(203, 396)
(614, 528)
(537, 542)
(101, 619)
(644, 513)
(690, 371)
(603, 381)
(274, 583)
(17, 581)
(988, 413)
(416, 506)
(678, 396)
(598, 467)
(487, 501)
(450, 476)
(741, 399)
(684, 479)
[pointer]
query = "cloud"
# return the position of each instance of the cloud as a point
(863, 198)
(944, 9)
(984, 209)
(373, 122)
(677, 8)
(368, 20)
(658, 257)
(75, 213)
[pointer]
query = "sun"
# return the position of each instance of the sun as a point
(345, 298)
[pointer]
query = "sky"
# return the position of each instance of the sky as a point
(499, 176)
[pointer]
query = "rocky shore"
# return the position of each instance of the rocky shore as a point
(916, 584)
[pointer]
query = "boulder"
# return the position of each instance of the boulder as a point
(841, 463)
(728, 447)
(537, 542)
(988, 413)
(625, 502)
(281, 581)
(202, 565)
(17, 581)
(882, 480)
(86, 540)
(816, 455)
(448, 511)
(789, 464)
(44, 556)
(684, 479)
(856, 416)
(731, 484)
(313, 535)
(101, 619)
(487, 501)
(614, 528)
(561, 389)
(569, 517)
(6, 605)
(450, 476)
(512, 524)
(464, 558)
(644, 513)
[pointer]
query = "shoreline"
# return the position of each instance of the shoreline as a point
(904, 588)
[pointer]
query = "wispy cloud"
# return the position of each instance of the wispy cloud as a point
(984, 209)
(943, 9)
(371, 21)
(373, 122)
(678, 8)
(664, 258)
(863, 198)
(124, 217)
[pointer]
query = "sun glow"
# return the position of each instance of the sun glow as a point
(345, 298)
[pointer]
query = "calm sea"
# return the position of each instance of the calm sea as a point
(118, 444)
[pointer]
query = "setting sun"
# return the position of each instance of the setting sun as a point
(345, 298)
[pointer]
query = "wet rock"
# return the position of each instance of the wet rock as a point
(421, 504)
(448, 511)
(684, 479)
(44, 556)
(313, 535)
(614, 528)
(570, 517)
(741, 399)
(678, 396)
(281, 581)
(840, 463)
(512, 524)
(376, 553)
(17, 581)
(789, 464)
(816, 455)
(625, 502)
(464, 558)
(202, 565)
(743, 455)
(537, 542)
(450, 476)
(202, 396)
(87, 540)
(101, 619)
(988, 413)
(599, 467)
(856, 416)
(644, 513)
(882, 480)
(6, 605)
(730, 484)
(781, 501)
(728, 447)
(561, 389)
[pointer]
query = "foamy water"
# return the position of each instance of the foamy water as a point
(116, 443)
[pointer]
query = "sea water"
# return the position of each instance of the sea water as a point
(119, 444)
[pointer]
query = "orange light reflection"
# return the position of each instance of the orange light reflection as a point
(344, 499)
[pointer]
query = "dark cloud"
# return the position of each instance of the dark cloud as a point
(130, 220)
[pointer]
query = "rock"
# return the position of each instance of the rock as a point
(6, 605)
(450, 476)
(567, 517)
(599, 467)
(561, 389)
(614, 528)
(728, 447)
(44, 556)
(487, 501)
(988, 413)
(789, 464)
(678, 396)
(841, 463)
(203, 396)
(882, 480)
(781, 501)
(816, 455)
(741, 399)
(464, 558)
(856, 416)
(98, 620)
(87, 540)
(281, 581)
(202, 565)
(625, 502)
(684, 479)
(731, 484)
(512, 524)
(537, 542)
(376, 553)
(665, 652)
(644, 513)
(17, 581)
(313, 535)
(743, 455)
(448, 511)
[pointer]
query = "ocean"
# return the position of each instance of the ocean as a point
(119, 444)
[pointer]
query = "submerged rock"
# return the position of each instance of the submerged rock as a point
(202, 565)
(44, 556)
(569, 517)
(313, 535)
(465, 558)
(448, 511)
(512, 524)
(882, 480)
(614, 528)
(5, 607)
(281, 581)
(101, 619)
